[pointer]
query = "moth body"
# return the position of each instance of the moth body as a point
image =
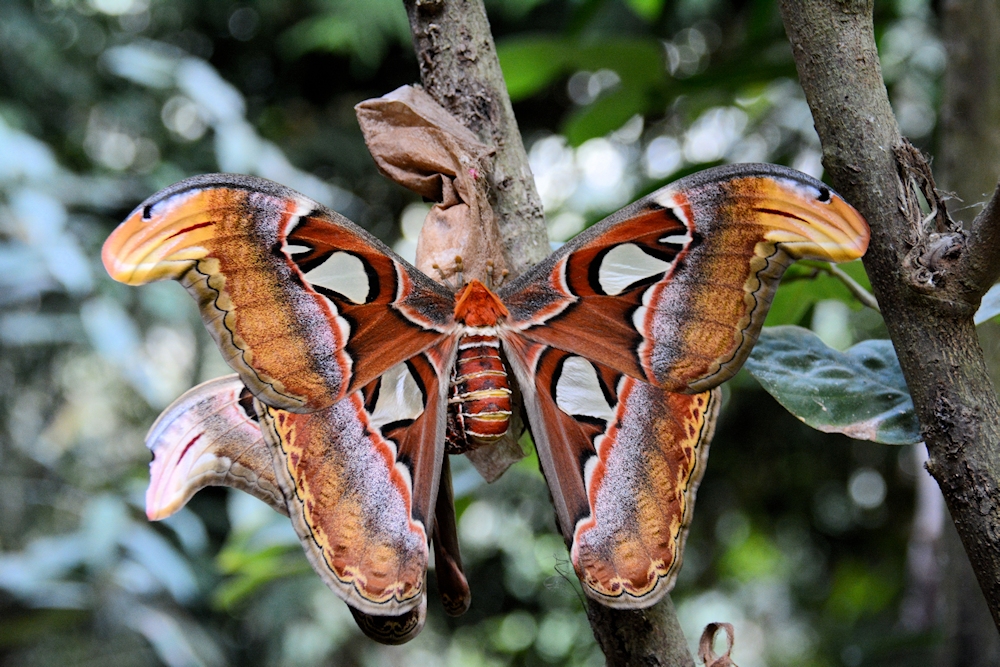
(480, 389)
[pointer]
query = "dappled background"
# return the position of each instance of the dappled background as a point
(822, 551)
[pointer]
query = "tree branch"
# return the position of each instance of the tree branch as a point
(970, 125)
(929, 321)
(856, 290)
(984, 245)
(859, 292)
(640, 638)
(460, 70)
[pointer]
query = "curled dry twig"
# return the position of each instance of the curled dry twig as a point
(706, 652)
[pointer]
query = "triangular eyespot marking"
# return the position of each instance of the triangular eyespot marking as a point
(343, 326)
(675, 202)
(677, 239)
(345, 274)
(400, 398)
(588, 477)
(625, 265)
(578, 391)
(246, 404)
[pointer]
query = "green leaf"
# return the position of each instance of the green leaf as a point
(639, 62)
(512, 9)
(325, 33)
(989, 307)
(530, 64)
(252, 570)
(647, 9)
(756, 557)
(856, 270)
(796, 296)
(362, 29)
(22, 628)
(859, 392)
(857, 591)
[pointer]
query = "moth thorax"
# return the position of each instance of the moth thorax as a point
(477, 306)
(480, 395)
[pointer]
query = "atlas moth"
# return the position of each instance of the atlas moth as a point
(347, 359)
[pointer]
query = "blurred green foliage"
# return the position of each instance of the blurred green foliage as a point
(103, 102)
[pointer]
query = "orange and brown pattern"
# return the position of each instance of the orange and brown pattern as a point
(349, 350)
(642, 492)
(350, 502)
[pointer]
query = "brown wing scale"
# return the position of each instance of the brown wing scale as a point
(361, 478)
(674, 289)
(301, 337)
(623, 460)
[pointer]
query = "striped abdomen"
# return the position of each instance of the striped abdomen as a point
(480, 391)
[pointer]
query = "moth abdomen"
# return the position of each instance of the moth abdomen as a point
(480, 392)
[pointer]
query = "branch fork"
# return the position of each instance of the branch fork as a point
(941, 248)
(938, 241)
(927, 272)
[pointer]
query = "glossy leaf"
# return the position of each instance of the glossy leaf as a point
(860, 392)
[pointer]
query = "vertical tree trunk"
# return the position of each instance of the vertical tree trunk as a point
(927, 274)
(968, 162)
(969, 140)
(460, 70)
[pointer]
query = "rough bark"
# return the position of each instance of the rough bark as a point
(927, 273)
(968, 161)
(643, 638)
(460, 70)
(970, 124)
(969, 147)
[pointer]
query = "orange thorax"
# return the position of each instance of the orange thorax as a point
(477, 306)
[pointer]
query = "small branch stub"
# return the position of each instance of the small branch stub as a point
(429, 7)
(939, 242)
(985, 238)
